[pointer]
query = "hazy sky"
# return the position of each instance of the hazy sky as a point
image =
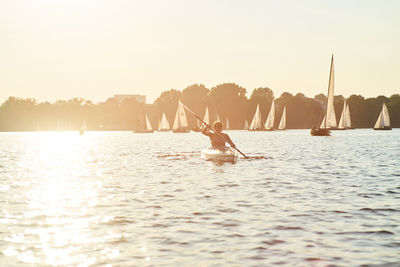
(59, 49)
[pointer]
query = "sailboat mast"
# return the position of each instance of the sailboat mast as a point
(327, 96)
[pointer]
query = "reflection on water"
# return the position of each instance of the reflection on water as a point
(148, 199)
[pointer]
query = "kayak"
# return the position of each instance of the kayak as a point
(221, 154)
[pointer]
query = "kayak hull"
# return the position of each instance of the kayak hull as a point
(224, 154)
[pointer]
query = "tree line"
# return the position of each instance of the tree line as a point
(228, 100)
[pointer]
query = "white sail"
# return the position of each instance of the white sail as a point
(385, 114)
(348, 117)
(383, 119)
(282, 124)
(164, 124)
(84, 126)
(323, 122)
(379, 122)
(269, 124)
(330, 109)
(148, 124)
(343, 117)
(256, 122)
(206, 117)
(198, 124)
(227, 126)
(246, 125)
(180, 117)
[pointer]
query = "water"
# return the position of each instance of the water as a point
(129, 199)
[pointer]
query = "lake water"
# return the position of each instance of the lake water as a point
(129, 199)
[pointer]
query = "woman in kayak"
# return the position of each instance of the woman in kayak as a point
(216, 140)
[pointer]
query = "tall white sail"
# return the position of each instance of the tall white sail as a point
(206, 117)
(323, 122)
(198, 124)
(269, 124)
(383, 119)
(84, 126)
(379, 122)
(282, 124)
(385, 115)
(330, 109)
(246, 125)
(256, 122)
(348, 117)
(148, 124)
(164, 124)
(343, 117)
(227, 126)
(180, 118)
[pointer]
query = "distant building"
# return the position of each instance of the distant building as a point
(139, 98)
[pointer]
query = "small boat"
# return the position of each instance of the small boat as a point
(164, 124)
(256, 124)
(83, 128)
(227, 125)
(218, 119)
(269, 124)
(198, 126)
(329, 121)
(282, 124)
(143, 123)
(383, 122)
(219, 154)
(180, 122)
(246, 125)
(345, 120)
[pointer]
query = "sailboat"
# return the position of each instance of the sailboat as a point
(83, 127)
(269, 124)
(199, 124)
(37, 129)
(256, 124)
(329, 120)
(206, 119)
(180, 122)
(348, 118)
(227, 125)
(164, 124)
(143, 123)
(383, 122)
(218, 119)
(282, 123)
(246, 125)
(345, 120)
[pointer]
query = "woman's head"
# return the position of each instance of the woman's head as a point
(217, 126)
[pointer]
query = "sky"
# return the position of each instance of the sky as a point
(60, 49)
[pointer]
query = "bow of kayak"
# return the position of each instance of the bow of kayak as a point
(223, 154)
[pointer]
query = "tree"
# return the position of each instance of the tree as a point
(228, 100)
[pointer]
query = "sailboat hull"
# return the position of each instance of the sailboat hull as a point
(180, 131)
(320, 132)
(384, 128)
(143, 131)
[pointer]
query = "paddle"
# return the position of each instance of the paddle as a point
(220, 135)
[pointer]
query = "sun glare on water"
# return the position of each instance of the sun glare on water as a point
(59, 200)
